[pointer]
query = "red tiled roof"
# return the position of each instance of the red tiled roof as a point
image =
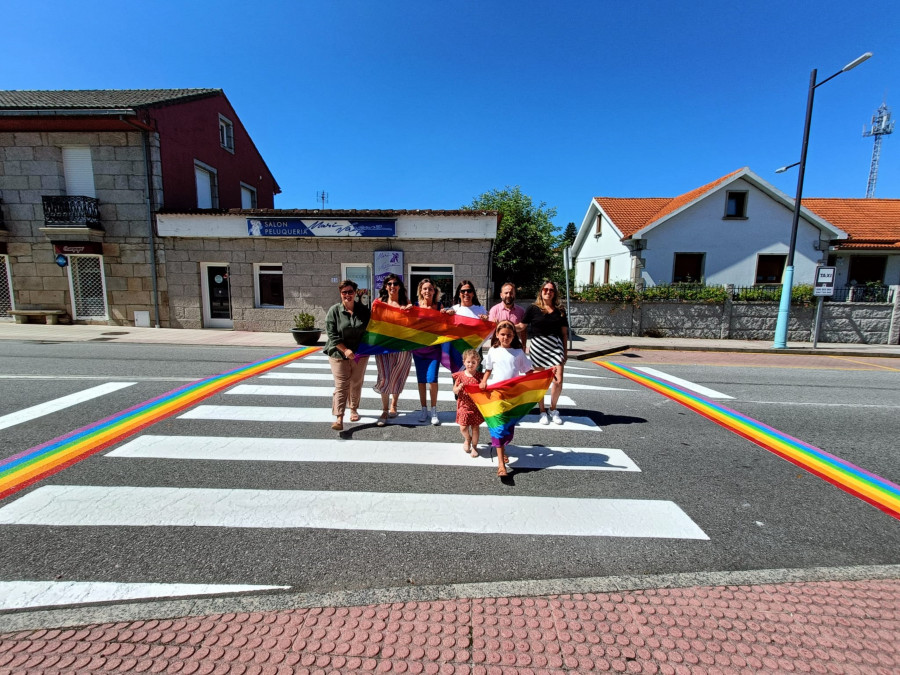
(871, 223)
(631, 214)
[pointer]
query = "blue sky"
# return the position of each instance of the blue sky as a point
(427, 104)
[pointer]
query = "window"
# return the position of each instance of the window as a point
(79, 171)
(6, 292)
(440, 275)
(591, 274)
(867, 268)
(268, 285)
(207, 186)
(87, 285)
(226, 133)
(735, 204)
(688, 268)
(248, 197)
(769, 268)
(606, 265)
(599, 229)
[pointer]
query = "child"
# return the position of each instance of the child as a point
(467, 416)
(505, 360)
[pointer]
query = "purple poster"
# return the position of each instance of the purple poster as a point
(387, 262)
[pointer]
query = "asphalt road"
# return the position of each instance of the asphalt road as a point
(752, 509)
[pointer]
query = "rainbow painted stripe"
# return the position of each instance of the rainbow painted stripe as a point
(880, 493)
(21, 470)
(502, 405)
(398, 330)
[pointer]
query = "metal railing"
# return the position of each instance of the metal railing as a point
(684, 292)
(75, 210)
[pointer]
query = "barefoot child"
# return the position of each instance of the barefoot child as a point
(467, 416)
(505, 360)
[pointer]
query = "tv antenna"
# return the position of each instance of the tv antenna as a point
(322, 196)
(882, 125)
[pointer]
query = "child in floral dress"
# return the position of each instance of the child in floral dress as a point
(467, 416)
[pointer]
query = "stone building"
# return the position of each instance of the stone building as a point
(256, 269)
(82, 176)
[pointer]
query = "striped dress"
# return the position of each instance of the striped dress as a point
(393, 369)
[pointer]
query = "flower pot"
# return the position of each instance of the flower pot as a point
(306, 338)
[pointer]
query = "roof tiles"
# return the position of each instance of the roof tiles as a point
(871, 223)
(97, 98)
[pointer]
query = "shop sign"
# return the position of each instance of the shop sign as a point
(387, 262)
(297, 227)
(78, 248)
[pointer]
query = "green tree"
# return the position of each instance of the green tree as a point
(526, 250)
(569, 235)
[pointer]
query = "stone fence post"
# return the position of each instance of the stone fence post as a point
(894, 332)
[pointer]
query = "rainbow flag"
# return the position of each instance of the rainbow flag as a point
(503, 404)
(877, 491)
(400, 330)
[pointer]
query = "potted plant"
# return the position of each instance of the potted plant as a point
(304, 331)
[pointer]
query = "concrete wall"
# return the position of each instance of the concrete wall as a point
(846, 322)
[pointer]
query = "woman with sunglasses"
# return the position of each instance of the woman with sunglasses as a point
(345, 324)
(465, 302)
(393, 368)
(548, 336)
(428, 359)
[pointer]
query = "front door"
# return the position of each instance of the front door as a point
(362, 275)
(216, 296)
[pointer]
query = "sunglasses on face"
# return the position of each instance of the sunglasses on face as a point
(466, 290)
(392, 283)
(547, 290)
(349, 292)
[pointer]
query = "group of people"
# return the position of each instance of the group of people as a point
(523, 340)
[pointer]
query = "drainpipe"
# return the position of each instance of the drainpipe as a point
(145, 144)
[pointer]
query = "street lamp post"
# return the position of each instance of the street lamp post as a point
(787, 283)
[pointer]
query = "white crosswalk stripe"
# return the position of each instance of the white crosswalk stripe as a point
(368, 452)
(412, 382)
(302, 390)
(444, 375)
(104, 506)
(253, 413)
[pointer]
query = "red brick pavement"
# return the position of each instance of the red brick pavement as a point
(818, 627)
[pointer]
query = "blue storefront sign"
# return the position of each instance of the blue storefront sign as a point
(297, 227)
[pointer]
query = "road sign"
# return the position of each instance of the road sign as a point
(824, 281)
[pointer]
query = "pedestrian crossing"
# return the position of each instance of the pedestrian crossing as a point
(372, 510)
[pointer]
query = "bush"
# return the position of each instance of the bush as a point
(801, 294)
(686, 292)
(621, 292)
(304, 321)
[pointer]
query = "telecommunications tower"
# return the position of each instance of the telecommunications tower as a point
(882, 125)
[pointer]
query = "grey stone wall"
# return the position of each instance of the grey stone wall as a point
(847, 322)
(31, 167)
(308, 267)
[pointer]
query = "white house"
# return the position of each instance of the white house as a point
(734, 230)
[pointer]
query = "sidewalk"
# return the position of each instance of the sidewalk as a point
(584, 346)
(824, 627)
(821, 620)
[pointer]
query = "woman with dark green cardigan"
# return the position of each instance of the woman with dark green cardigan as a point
(345, 324)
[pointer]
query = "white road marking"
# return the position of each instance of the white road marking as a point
(326, 392)
(443, 374)
(317, 377)
(253, 413)
(114, 378)
(61, 403)
(24, 594)
(101, 506)
(699, 388)
(368, 452)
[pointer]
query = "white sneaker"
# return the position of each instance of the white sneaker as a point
(544, 419)
(434, 418)
(423, 416)
(554, 415)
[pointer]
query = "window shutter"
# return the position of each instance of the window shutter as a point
(79, 172)
(204, 188)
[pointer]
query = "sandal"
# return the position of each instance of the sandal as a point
(354, 416)
(338, 425)
(381, 420)
(473, 451)
(392, 413)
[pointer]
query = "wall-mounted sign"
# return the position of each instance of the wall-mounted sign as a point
(824, 282)
(78, 248)
(311, 227)
(62, 260)
(387, 262)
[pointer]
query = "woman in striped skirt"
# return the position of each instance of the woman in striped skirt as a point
(393, 368)
(548, 337)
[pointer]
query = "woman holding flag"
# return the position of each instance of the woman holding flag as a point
(428, 359)
(393, 368)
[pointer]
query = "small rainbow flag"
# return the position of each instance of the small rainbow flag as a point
(399, 330)
(880, 493)
(23, 469)
(503, 404)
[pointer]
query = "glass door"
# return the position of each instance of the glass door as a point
(362, 276)
(216, 295)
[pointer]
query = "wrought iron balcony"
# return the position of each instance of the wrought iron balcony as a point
(76, 210)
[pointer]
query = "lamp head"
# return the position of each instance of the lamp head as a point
(855, 62)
